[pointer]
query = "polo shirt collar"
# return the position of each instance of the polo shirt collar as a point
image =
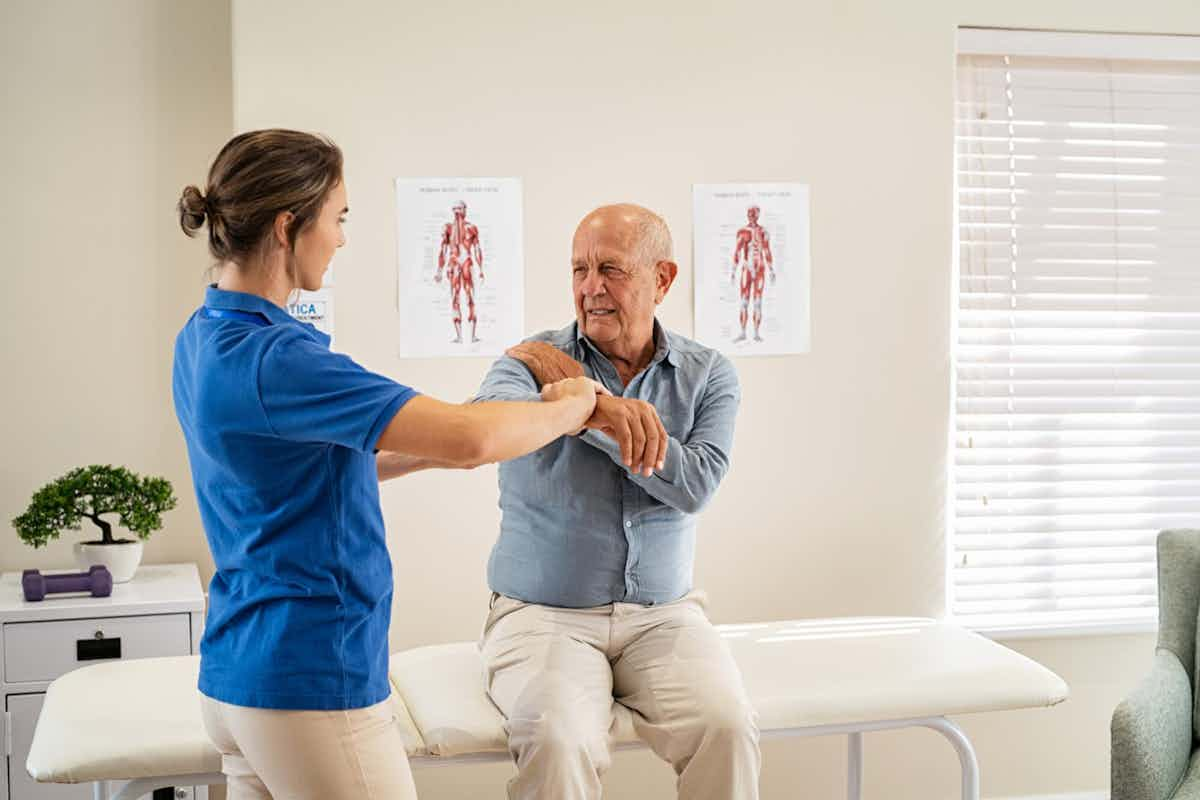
(253, 304)
(662, 348)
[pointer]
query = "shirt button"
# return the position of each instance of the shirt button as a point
(628, 524)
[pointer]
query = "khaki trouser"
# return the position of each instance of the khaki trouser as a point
(330, 755)
(555, 673)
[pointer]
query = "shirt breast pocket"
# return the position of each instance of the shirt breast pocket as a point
(569, 475)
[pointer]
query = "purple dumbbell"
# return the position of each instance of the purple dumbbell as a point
(97, 580)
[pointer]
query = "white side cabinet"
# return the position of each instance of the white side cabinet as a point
(158, 613)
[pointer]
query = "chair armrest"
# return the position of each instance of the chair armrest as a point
(1152, 733)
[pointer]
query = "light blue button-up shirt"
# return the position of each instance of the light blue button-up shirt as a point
(578, 529)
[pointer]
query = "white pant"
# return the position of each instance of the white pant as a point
(555, 673)
(295, 755)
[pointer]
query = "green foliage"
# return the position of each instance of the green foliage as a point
(92, 491)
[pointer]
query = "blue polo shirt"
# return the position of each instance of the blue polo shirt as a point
(280, 435)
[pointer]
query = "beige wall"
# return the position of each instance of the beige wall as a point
(109, 108)
(835, 503)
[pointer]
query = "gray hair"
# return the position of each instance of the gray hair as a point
(653, 238)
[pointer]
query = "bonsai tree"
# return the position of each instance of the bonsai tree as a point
(91, 492)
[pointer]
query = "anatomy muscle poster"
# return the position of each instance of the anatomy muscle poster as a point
(751, 252)
(460, 265)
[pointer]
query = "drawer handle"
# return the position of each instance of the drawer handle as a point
(98, 648)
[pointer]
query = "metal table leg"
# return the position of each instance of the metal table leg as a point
(966, 754)
(854, 766)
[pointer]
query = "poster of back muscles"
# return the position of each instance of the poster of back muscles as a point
(460, 265)
(751, 250)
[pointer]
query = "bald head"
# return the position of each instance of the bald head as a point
(645, 234)
(622, 267)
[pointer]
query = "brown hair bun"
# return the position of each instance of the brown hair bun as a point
(193, 209)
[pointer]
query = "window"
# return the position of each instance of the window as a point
(1077, 353)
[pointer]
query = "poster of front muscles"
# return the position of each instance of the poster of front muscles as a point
(751, 250)
(460, 265)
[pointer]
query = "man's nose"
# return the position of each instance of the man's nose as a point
(593, 284)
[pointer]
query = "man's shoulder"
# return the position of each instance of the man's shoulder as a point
(689, 352)
(562, 338)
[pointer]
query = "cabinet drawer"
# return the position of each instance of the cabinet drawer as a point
(41, 651)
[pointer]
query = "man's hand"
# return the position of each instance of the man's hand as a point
(635, 426)
(547, 363)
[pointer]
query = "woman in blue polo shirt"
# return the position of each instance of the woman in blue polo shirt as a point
(282, 437)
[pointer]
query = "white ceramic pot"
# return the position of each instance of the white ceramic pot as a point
(122, 559)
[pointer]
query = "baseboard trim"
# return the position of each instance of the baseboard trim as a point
(1068, 796)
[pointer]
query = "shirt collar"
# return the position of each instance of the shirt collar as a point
(252, 303)
(662, 348)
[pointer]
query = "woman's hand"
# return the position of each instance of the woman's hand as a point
(579, 391)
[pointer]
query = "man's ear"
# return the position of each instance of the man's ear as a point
(664, 276)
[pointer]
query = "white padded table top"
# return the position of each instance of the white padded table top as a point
(847, 671)
(798, 674)
(136, 719)
(127, 719)
(133, 719)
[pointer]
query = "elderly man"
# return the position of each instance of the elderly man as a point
(592, 573)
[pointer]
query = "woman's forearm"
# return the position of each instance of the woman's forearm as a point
(394, 465)
(510, 430)
(479, 433)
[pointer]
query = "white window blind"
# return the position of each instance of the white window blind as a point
(1077, 355)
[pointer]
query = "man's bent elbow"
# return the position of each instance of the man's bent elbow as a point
(695, 495)
(690, 503)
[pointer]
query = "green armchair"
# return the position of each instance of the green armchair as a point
(1154, 730)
